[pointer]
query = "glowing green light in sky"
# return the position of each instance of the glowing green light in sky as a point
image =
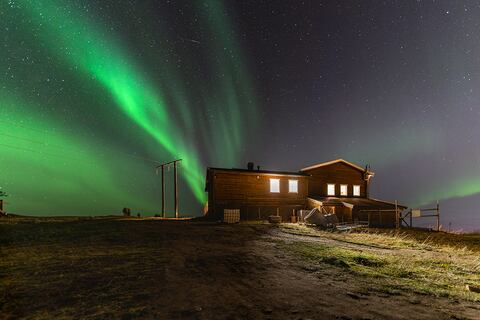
(462, 186)
(408, 143)
(175, 120)
(102, 58)
(41, 155)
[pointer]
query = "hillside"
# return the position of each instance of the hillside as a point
(136, 268)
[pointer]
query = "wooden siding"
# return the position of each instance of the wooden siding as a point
(337, 173)
(250, 192)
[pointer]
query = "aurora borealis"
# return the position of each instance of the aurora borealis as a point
(150, 110)
(94, 95)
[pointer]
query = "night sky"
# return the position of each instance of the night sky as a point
(94, 94)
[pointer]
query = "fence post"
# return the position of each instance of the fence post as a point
(438, 216)
(397, 218)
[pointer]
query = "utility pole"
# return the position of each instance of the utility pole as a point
(175, 184)
(162, 166)
(163, 192)
(175, 188)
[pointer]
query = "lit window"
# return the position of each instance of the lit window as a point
(343, 190)
(330, 189)
(274, 185)
(356, 191)
(293, 186)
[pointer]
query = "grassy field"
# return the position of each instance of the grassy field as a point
(433, 263)
(114, 268)
(397, 239)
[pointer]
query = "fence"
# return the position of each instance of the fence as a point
(419, 213)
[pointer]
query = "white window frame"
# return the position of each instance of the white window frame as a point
(274, 188)
(346, 189)
(356, 187)
(328, 189)
(295, 183)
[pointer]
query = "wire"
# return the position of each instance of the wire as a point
(30, 140)
(61, 147)
(21, 126)
(42, 153)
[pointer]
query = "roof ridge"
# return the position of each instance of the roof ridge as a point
(273, 172)
(322, 164)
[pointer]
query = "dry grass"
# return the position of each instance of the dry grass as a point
(428, 263)
(441, 240)
(99, 267)
(92, 268)
(396, 239)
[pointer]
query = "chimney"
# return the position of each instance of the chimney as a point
(250, 166)
(366, 177)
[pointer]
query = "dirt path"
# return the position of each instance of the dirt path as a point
(277, 233)
(182, 270)
(336, 294)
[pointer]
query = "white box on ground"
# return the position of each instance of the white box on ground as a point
(231, 215)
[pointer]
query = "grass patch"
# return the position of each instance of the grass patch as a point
(442, 275)
(444, 240)
(369, 261)
(395, 239)
(335, 256)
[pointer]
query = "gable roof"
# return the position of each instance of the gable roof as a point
(333, 162)
(246, 171)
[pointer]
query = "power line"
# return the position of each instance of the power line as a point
(61, 147)
(21, 126)
(38, 152)
(30, 140)
(175, 184)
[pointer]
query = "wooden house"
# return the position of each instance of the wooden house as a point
(257, 193)
(342, 187)
(336, 186)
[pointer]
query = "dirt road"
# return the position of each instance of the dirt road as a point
(113, 269)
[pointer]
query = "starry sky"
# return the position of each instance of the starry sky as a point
(94, 95)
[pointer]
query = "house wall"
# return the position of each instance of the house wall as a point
(337, 173)
(250, 192)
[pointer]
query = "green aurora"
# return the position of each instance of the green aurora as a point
(409, 143)
(173, 124)
(48, 165)
(93, 98)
